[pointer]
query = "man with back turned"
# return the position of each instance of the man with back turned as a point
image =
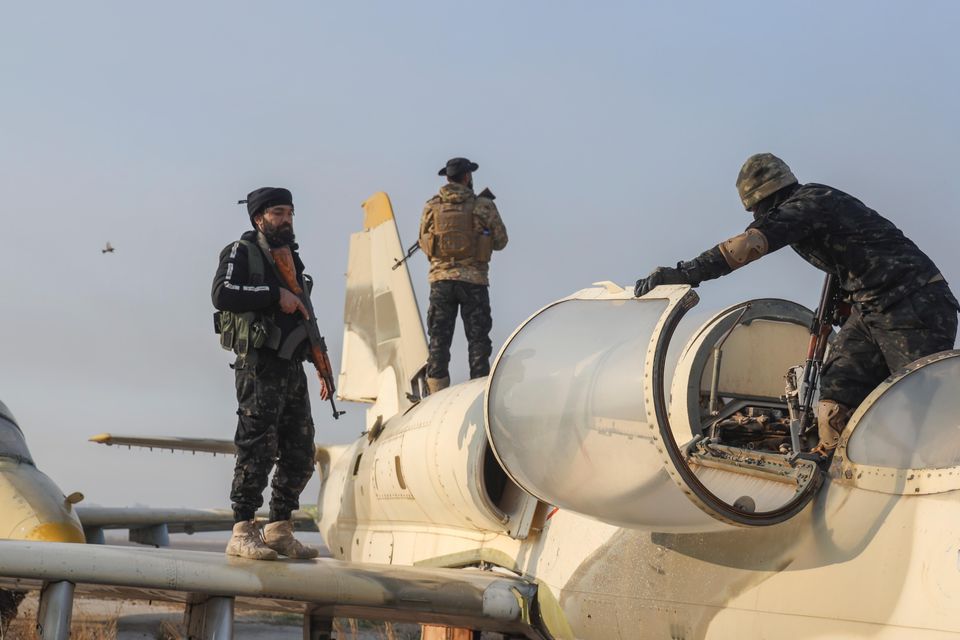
(459, 231)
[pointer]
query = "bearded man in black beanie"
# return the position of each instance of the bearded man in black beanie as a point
(257, 319)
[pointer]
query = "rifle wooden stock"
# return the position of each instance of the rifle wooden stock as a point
(283, 259)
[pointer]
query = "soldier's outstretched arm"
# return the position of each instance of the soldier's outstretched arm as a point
(787, 224)
(231, 290)
(729, 255)
(708, 265)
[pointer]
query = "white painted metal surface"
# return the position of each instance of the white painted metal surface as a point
(384, 345)
(426, 467)
(573, 412)
(500, 599)
(905, 437)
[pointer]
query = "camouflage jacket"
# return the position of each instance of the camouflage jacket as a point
(486, 220)
(877, 264)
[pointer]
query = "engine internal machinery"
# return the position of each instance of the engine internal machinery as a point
(754, 428)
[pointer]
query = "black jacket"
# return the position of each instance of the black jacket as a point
(877, 265)
(233, 291)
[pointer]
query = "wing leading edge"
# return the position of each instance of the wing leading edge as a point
(150, 525)
(465, 597)
(195, 445)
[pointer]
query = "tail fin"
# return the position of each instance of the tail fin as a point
(384, 346)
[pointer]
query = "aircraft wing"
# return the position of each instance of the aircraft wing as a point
(202, 445)
(323, 587)
(149, 525)
(325, 453)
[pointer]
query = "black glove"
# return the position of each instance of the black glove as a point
(660, 275)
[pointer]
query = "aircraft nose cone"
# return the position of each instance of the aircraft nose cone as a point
(56, 532)
(32, 507)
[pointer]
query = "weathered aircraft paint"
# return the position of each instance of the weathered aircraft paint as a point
(593, 405)
(620, 474)
(32, 507)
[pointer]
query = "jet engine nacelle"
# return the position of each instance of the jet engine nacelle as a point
(592, 406)
(429, 466)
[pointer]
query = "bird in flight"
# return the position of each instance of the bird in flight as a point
(108, 248)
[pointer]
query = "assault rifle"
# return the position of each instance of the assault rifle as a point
(283, 259)
(412, 250)
(831, 310)
(486, 193)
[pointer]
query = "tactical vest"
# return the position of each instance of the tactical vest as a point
(245, 332)
(454, 235)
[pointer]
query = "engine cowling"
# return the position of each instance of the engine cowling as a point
(579, 410)
(430, 466)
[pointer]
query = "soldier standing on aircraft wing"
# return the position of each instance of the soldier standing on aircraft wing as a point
(259, 319)
(458, 233)
(902, 307)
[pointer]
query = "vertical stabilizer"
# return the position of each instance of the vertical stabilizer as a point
(384, 346)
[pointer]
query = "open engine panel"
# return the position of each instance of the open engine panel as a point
(744, 359)
(636, 402)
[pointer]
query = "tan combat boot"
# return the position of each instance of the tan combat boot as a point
(437, 384)
(279, 537)
(832, 417)
(246, 542)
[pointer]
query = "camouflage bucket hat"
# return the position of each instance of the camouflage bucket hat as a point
(457, 166)
(761, 175)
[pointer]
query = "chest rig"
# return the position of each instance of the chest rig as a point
(245, 332)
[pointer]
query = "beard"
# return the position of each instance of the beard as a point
(279, 235)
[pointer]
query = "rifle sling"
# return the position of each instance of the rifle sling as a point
(296, 337)
(291, 342)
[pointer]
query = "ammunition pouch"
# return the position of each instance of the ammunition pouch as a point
(243, 333)
(455, 237)
(427, 245)
(484, 247)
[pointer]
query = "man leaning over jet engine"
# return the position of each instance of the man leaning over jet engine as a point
(258, 320)
(902, 308)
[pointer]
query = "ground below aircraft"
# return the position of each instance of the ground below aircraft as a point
(620, 474)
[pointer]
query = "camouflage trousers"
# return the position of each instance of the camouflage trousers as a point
(871, 346)
(275, 426)
(474, 303)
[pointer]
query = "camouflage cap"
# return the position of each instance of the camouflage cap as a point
(762, 175)
(458, 167)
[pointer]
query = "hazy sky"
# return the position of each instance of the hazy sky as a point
(611, 132)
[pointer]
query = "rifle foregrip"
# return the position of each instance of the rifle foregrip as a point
(321, 362)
